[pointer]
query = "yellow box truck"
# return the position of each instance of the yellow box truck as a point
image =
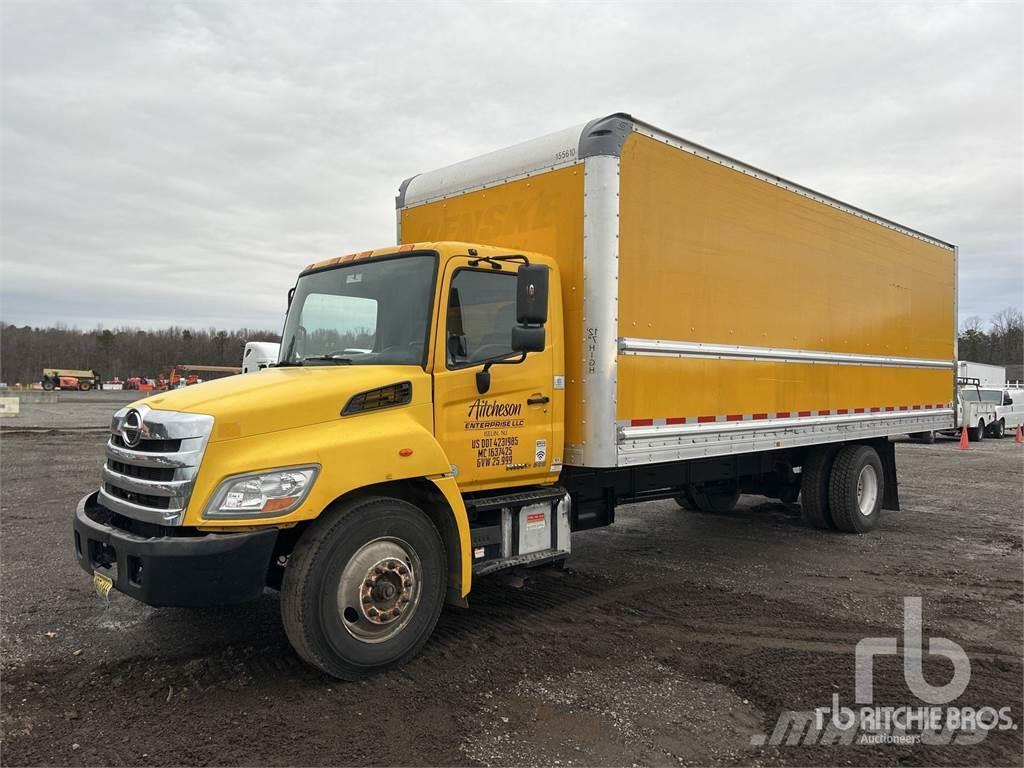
(606, 315)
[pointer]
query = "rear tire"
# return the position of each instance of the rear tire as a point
(924, 437)
(685, 500)
(855, 489)
(715, 500)
(814, 500)
(976, 434)
(349, 573)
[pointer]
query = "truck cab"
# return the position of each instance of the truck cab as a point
(419, 390)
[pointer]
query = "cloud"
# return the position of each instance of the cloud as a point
(180, 163)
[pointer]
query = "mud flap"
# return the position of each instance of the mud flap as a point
(890, 493)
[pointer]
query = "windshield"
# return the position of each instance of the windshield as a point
(364, 313)
(973, 395)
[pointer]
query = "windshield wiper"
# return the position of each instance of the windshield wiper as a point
(326, 359)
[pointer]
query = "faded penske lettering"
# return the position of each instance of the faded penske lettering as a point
(491, 223)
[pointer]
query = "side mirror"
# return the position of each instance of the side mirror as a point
(1008, 400)
(528, 339)
(531, 308)
(532, 294)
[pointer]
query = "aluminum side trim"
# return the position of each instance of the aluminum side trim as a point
(652, 445)
(600, 312)
(663, 348)
(762, 425)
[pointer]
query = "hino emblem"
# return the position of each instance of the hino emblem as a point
(131, 428)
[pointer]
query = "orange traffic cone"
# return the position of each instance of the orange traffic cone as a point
(1020, 436)
(964, 441)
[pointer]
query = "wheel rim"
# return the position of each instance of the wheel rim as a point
(379, 590)
(867, 490)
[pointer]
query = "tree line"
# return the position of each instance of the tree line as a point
(1002, 343)
(119, 352)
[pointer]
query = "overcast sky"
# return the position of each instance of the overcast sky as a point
(180, 162)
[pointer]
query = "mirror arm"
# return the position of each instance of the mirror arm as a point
(483, 376)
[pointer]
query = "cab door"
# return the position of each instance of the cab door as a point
(503, 436)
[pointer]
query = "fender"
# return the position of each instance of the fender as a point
(353, 452)
(447, 486)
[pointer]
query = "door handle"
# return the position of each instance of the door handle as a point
(538, 400)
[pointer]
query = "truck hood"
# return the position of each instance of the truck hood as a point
(284, 398)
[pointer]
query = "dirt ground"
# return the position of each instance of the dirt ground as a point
(671, 638)
(71, 411)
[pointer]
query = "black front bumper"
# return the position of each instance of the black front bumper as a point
(180, 567)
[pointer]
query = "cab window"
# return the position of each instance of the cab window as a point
(481, 315)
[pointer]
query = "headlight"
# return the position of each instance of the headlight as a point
(261, 494)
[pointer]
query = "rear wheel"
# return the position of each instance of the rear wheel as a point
(976, 434)
(924, 437)
(855, 489)
(685, 500)
(715, 499)
(814, 486)
(364, 587)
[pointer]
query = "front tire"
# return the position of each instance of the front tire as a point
(855, 489)
(85, 386)
(364, 587)
(999, 429)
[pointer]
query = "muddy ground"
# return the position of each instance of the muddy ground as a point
(671, 638)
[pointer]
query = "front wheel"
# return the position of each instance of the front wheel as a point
(364, 587)
(999, 430)
(85, 386)
(48, 385)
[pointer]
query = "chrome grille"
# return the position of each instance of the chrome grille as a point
(151, 469)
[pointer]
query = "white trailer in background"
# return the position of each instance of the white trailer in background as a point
(258, 355)
(987, 375)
